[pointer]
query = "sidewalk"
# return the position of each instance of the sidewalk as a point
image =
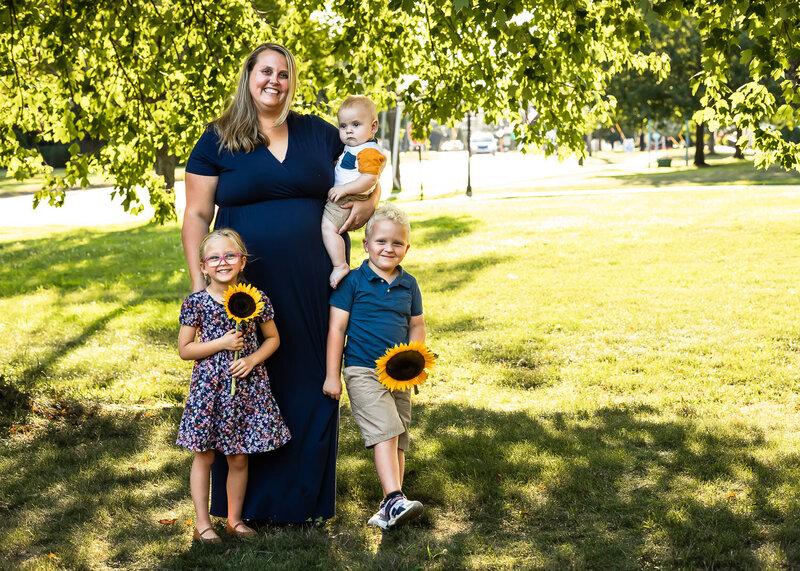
(90, 207)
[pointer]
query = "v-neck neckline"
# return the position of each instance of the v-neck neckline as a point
(288, 145)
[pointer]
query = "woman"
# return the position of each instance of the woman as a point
(269, 170)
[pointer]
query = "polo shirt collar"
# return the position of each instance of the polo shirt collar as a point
(368, 273)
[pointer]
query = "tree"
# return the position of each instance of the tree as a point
(643, 97)
(144, 76)
(773, 29)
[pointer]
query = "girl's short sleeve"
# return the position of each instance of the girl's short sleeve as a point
(190, 312)
(204, 158)
(267, 313)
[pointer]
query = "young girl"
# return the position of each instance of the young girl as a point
(238, 425)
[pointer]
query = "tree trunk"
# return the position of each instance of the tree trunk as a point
(392, 120)
(165, 166)
(739, 152)
(699, 146)
(712, 139)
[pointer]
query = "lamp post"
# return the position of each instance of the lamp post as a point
(469, 153)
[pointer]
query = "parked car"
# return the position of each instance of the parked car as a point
(482, 143)
(452, 145)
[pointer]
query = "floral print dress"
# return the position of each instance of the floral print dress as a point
(245, 423)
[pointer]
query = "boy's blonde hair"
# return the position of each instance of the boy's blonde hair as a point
(388, 211)
(229, 233)
(363, 102)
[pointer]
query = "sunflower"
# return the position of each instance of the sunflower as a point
(242, 302)
(403, 366)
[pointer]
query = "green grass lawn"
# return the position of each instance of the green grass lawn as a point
(617, 388)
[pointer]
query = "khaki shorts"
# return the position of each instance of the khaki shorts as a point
(380, 414)
(334, 211)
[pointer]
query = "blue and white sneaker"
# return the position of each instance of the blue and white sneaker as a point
(395, 511)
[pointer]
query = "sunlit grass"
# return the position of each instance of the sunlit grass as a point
(617, 387)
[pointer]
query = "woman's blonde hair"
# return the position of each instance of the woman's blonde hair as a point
(238, 127)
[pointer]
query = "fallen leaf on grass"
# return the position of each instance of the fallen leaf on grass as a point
(51, 555)
(523, 512)
(132, 468)
(732, 495)
(167, 521)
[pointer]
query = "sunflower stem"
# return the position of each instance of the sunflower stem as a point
(235, 357)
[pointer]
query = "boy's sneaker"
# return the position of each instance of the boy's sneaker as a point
(395, 511)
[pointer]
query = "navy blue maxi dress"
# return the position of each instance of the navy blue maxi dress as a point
(277, 208)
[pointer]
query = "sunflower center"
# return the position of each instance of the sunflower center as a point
(405, 366)
(241, 304)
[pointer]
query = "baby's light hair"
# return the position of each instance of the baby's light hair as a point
(229, 233)
(363, 102)
(388, 211)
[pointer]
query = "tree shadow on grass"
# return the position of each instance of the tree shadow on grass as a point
(450, 276)
(525, 363)
(436, 231)
(82, 480)
(620, 488)
(145, 256)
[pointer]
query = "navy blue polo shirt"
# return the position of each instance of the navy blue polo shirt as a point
(379, 312)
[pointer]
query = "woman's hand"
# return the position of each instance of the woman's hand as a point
(360, 211)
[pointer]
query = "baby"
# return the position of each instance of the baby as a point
(357, 172)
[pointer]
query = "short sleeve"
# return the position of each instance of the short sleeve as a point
(371, 161)
(267, 313)
(190, 312)
(343, 296)
(204, 158)
(416, 300)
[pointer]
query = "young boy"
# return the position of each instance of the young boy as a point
(357, 172)
(378, 306)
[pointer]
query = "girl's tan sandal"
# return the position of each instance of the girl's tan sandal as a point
(199, 536)
(240, 530)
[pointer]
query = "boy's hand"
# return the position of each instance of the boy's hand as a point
(336, 193)
(240, 368)
(332, 387)
(232, 340)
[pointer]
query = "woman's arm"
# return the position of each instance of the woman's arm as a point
(200, 194)
(361, 210)
(242, 367)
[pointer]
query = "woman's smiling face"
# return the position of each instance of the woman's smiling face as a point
(269, 81)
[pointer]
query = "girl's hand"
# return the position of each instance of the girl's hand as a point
(332, 387)
(232, 340)
(240, 368)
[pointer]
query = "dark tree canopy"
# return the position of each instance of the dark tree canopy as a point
(144, 76)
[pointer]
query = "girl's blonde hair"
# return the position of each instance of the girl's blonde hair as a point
(238, 127)
(390, 212)
(229, 233)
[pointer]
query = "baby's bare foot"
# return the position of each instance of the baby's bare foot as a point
(338, 273)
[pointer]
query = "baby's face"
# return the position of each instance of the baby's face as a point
(355, 126)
